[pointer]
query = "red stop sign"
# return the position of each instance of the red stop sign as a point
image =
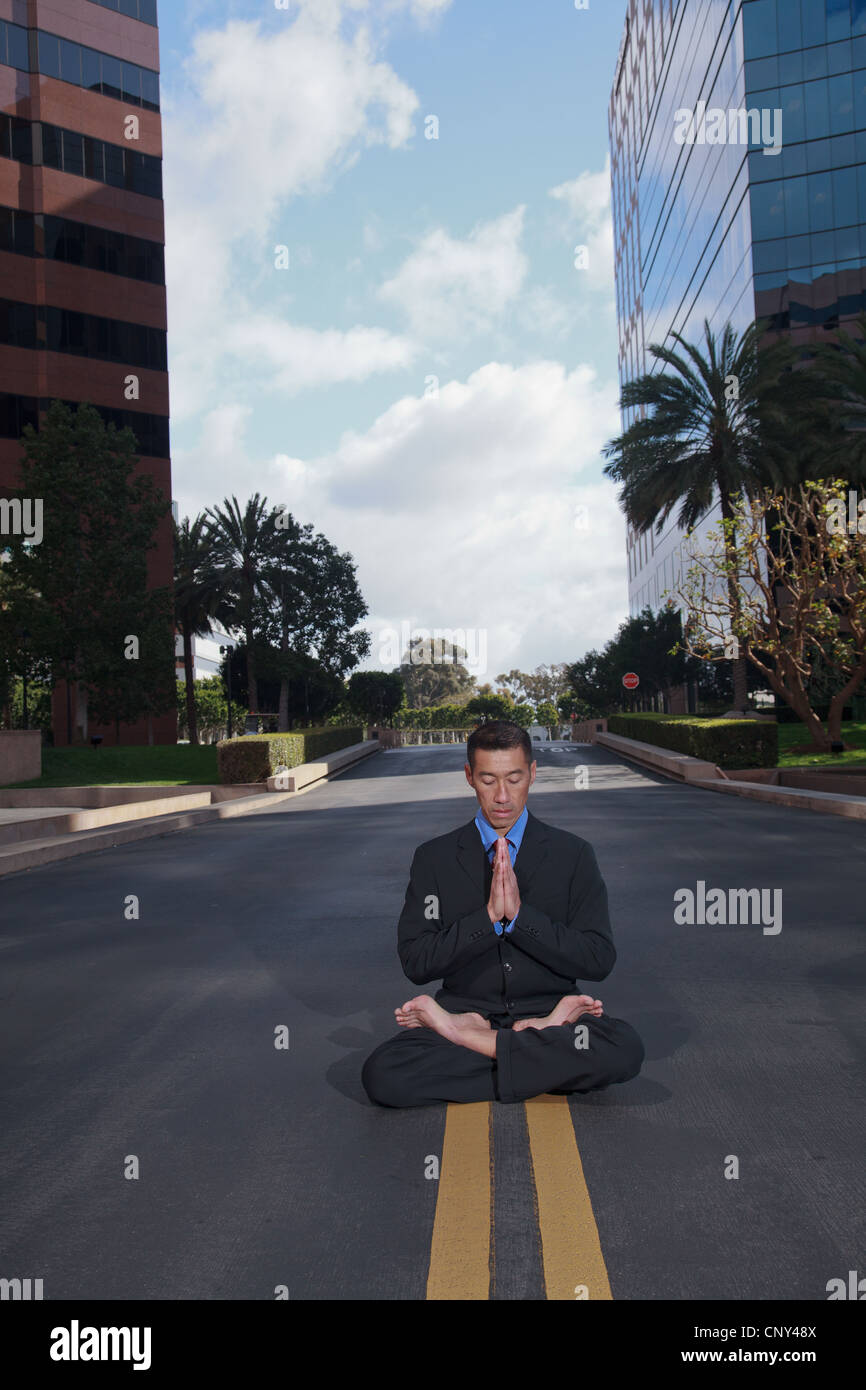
(630, 680)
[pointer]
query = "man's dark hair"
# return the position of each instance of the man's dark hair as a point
(499, 733)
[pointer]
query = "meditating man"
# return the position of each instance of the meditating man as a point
(509, 913)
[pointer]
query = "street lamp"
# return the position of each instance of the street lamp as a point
(227, 651)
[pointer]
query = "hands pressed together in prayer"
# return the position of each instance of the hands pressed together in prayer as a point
(504, 900)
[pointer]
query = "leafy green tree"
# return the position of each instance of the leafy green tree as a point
(375, 696)
(83, 589)
(544, 683)
(433, 673)
(547, 715)
(491, 707)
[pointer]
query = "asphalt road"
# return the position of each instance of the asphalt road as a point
(149, 1041)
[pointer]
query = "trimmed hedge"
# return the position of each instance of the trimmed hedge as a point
(725, 742)
(256, 757)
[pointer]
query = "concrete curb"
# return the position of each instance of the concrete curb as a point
(682, 768)
(23, 855)
(828, 803)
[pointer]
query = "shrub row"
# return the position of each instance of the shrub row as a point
(256, 757)
(725, 742)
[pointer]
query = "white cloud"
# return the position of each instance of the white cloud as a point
(262, 117)
(460, 511)
(292, 358)
(588, 222)
(450, 288)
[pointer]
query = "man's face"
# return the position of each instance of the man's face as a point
(501, 780)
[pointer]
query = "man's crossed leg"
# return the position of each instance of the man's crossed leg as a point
(442, 1056)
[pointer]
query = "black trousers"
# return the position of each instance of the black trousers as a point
(418, 1067)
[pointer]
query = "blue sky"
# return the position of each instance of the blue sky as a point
(430, 379)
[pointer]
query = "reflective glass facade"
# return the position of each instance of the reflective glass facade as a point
(723, 230)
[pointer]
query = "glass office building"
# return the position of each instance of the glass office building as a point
(716, 228)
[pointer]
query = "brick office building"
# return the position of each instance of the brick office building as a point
(82, 273)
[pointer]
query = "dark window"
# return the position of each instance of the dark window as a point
(20, 139)
(70, 245)
(49, 55)
(17, 55)
(817, 114)
(94, 158)
(52, 147)
(759, 28)
(814, 23)
(110, 76)
(131, 82)
(147, 10)
(793, 113)
(844, 196)
(149, 89)
(145, 174)
(73, 153)
(820, 194)
(113, 244)
(841, 96)
(838, 20)
(18, 411)
(848, 244)
(796, 209)
(7, 229)
(17, 323)
(768, 213)
(70, 61)
(90, 70)
(129, 7)
(114, 166)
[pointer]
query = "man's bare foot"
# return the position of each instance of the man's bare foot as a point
(568, 1010)
(424, 1012)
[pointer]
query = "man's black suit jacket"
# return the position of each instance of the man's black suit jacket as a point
(562, 933)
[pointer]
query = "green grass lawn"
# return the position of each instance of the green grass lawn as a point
(164, 765)
(794, 743)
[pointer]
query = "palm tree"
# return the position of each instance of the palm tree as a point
(719, 421)
(241, 547)
(197, 597)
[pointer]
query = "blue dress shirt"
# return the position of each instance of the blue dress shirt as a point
(514, 837)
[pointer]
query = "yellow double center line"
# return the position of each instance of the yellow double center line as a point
(463, 1231)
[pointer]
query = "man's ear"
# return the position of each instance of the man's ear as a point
(533, 766)
(468, 770)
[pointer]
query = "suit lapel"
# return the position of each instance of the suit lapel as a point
(471, 856)
(532, 853)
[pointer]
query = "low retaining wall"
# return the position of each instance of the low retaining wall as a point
(295, 778)
(20, 755)
(680, 765)
(92, 797)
